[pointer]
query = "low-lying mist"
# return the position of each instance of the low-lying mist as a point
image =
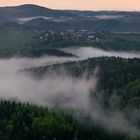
(61, 90)
(16, 84)
(89, 52)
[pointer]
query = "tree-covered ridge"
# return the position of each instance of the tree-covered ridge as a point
(117, 91)
(26, 122)
(63, 20)
(116, 77)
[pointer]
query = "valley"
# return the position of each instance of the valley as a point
(69, 74)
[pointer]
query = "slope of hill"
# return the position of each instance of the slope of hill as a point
(21, 41)
(116, 77)
(88, 20)
(29, 11)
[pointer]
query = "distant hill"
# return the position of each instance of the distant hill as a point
(21, 41)
(26, 11)
(62, 20)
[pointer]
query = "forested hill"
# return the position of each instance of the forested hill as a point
(117, 91)
(116, 77)
(25, 122)
(63, 20)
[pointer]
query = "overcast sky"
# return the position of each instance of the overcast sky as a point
(125, 5)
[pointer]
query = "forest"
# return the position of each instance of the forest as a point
(113, 113)
(117, 91)
(49, 93)
(117, 76)
(25, 122)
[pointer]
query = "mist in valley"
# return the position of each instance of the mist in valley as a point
(89, 52)
(61, 90)
(49, 86)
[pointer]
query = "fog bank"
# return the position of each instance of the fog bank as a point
(57, 90)
(89, 52)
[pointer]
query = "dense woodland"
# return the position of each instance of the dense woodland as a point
(116, 76)
(25, 122)
(118, 85)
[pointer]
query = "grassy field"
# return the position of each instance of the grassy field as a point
(122, 36)
(119, 42)
(13, 37)
(17, 40)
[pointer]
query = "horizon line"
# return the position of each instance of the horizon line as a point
(39, 5)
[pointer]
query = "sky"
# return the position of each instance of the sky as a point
(123, 5)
